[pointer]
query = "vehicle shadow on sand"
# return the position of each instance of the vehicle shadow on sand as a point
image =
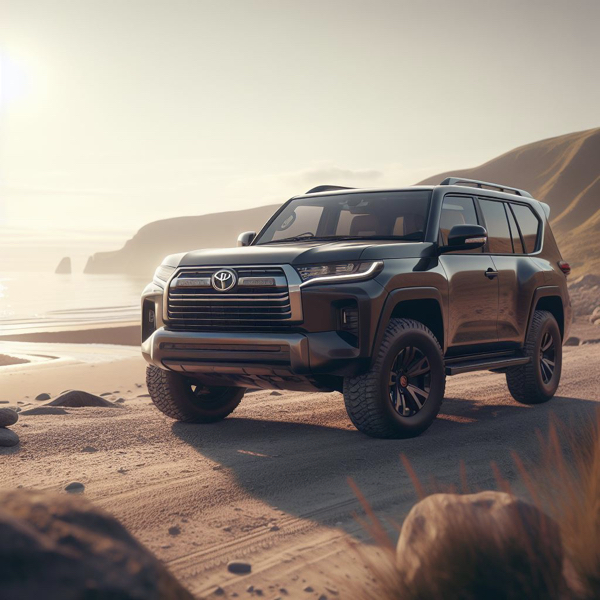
(303, 468)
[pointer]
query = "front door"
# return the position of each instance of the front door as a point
(472, 283)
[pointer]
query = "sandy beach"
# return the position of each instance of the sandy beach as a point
(269, 484)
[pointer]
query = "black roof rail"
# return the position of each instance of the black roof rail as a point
(480, 184)
(327, 188)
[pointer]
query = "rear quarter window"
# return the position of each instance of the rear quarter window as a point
(529, 225)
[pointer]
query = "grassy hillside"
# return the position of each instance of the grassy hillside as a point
(564, 172)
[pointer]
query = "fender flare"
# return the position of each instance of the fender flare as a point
(542, 292)
(401, 295)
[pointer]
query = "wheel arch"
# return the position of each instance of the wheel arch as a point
(549, 298)
(423, 304)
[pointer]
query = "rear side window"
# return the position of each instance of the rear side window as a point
(529, 225)
(457, 210)
(496, 223)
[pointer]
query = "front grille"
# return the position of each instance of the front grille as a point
(199, 307)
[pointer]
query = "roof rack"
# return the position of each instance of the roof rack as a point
(327, 188)
(480, 184)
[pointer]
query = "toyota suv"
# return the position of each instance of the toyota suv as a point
(376, 293)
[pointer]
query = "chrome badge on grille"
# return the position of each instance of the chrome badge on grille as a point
(223, 280)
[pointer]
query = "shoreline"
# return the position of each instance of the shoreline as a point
(120, 334)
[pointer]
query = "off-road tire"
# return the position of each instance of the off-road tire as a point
(174, 395)
(367, 396)
(525, 383)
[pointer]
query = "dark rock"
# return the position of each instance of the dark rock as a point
(239, 567)
(43, 396)
(75, 487)
(572, 341)
(61, 547)
(79, 399)
(8, 439)
(45, 410)
(175, 530)
(64, 266)
(308, 588)
(8, 417)
(89, 449)
(594, 341)
(120, 400)
(219, 591)
(274, 393)
(479, 546)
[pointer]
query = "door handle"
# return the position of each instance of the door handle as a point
(490, 273)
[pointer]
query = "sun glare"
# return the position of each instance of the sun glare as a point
(15, 83)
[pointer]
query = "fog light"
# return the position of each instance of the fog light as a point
(349, 320)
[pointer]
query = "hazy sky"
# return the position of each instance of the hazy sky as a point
(119, 112)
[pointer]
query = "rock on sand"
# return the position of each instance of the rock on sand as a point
(59, 547)
(8, 438)
(8, 417)
(479, 546)
(79, 399)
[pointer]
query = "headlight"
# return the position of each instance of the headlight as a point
(339, 271)
(162, 274)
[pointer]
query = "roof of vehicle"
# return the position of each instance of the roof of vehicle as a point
(450, 184)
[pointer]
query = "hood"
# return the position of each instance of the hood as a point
(303, 253)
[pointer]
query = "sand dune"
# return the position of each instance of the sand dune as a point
(563, 171)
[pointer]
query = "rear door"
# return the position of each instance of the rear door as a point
(472, 282)
(510, 240)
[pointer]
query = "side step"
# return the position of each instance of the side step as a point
(485, 364)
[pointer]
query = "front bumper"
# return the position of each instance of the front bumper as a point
(252, 354)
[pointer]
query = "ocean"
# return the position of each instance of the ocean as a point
(32, 301)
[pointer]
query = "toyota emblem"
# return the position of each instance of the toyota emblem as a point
(223, 280)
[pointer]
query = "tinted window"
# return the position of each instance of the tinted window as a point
(496, 223)
(457, 210)
(514, 231)
(529, 225)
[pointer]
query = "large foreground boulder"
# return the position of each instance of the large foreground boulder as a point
(79, 399)
(61, 547)
(487, 545)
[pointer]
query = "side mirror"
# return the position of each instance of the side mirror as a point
(465, 237)
(246, 238)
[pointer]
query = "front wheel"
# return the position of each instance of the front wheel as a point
(538, 380)
(401, 395)
(184, 399)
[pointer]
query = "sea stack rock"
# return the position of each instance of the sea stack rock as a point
(64, 266)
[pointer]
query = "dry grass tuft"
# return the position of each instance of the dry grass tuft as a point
(472, 561)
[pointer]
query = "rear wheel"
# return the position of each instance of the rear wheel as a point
(538, 380)
(184, 399)
(401, 394)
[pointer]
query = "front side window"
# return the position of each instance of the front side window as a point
(457, 210)
(529, 225)
(398, 216)
(496, 223)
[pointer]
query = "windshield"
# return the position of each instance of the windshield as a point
(371, 215)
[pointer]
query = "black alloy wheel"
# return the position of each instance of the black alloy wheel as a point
(547, 357)
(410, 381)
